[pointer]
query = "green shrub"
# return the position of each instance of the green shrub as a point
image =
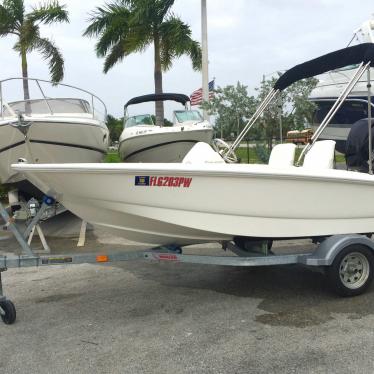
(262, 153)
(3, 192)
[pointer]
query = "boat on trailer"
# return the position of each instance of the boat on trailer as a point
(48, 129)
(143, 141)
(204, 199)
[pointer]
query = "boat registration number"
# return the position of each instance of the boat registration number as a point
(162, 181)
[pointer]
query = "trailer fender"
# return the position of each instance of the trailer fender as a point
(331, 247)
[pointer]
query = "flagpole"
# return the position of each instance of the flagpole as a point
(204, 45)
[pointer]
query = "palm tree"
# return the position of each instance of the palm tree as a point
(129, 26)
(26, 27)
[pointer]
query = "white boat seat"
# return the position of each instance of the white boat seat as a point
(202, 153)
(282, 155)
(321, 155)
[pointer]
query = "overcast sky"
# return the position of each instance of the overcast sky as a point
(247, 38)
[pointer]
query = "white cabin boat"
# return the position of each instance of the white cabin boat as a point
(143, 141)
(49, 129)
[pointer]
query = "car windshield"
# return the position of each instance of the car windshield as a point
(188, 115)
(144, 119)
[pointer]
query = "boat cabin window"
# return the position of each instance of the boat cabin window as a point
(144, 119)
(40, 106)
(187, 115)
(350, 112)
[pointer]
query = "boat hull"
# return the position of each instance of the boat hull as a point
(169, 144)
(50, 141)
(187, 204)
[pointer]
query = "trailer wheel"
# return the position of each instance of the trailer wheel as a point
(352, 271)
(10, 312)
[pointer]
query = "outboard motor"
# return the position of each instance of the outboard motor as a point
(357, 146)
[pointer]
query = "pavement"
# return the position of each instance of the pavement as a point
(140, 317)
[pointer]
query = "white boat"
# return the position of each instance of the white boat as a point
(329, 87)
(48, 129)
(143, 141)
(187, 204)
(204, 199)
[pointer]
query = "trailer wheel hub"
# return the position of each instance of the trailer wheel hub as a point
(354, 270)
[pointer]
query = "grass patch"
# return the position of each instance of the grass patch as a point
(249, 155)
(339, 157)
(112, 157)
(246, 156)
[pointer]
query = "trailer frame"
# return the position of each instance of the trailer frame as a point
(324, 256)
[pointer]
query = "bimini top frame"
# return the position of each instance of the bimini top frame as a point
(362, 55)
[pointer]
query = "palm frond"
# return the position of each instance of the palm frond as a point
(176, 41)
(137, 40)
(118, 33)
(9, 24)
(16, 9)
(116, 30)
(194, 51)
(164, 7)
(107, 40)
(150, 12)
(115, 55)
(48, 12)
(51, 53)
(6, 24)
(105, 17)
(29, 33)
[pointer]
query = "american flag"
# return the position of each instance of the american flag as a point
(196, 97)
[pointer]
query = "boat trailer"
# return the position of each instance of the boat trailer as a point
(347, 260)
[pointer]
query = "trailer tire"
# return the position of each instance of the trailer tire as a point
(351, 272)
(10, 312)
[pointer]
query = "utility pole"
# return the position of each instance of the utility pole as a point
(204, 45)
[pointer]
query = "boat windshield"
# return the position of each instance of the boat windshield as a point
(188, 115)
(345, 68)
(144, 119)
(48, 106)
(350, 112)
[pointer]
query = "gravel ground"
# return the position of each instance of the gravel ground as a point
(137, 317)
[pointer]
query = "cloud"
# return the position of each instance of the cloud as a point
(246, 40)
(223, 22)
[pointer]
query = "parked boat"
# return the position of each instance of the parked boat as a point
(143, 141)
(46, 129)
(329, 86)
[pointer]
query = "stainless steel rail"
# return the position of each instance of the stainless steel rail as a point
(46, 99)
(264, 104)
(338, 103)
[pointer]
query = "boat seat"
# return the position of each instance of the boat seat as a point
(282, 155)
(202, 153)
(321, 155)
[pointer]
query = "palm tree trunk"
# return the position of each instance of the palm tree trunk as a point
(26, 93)
(159, 105)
